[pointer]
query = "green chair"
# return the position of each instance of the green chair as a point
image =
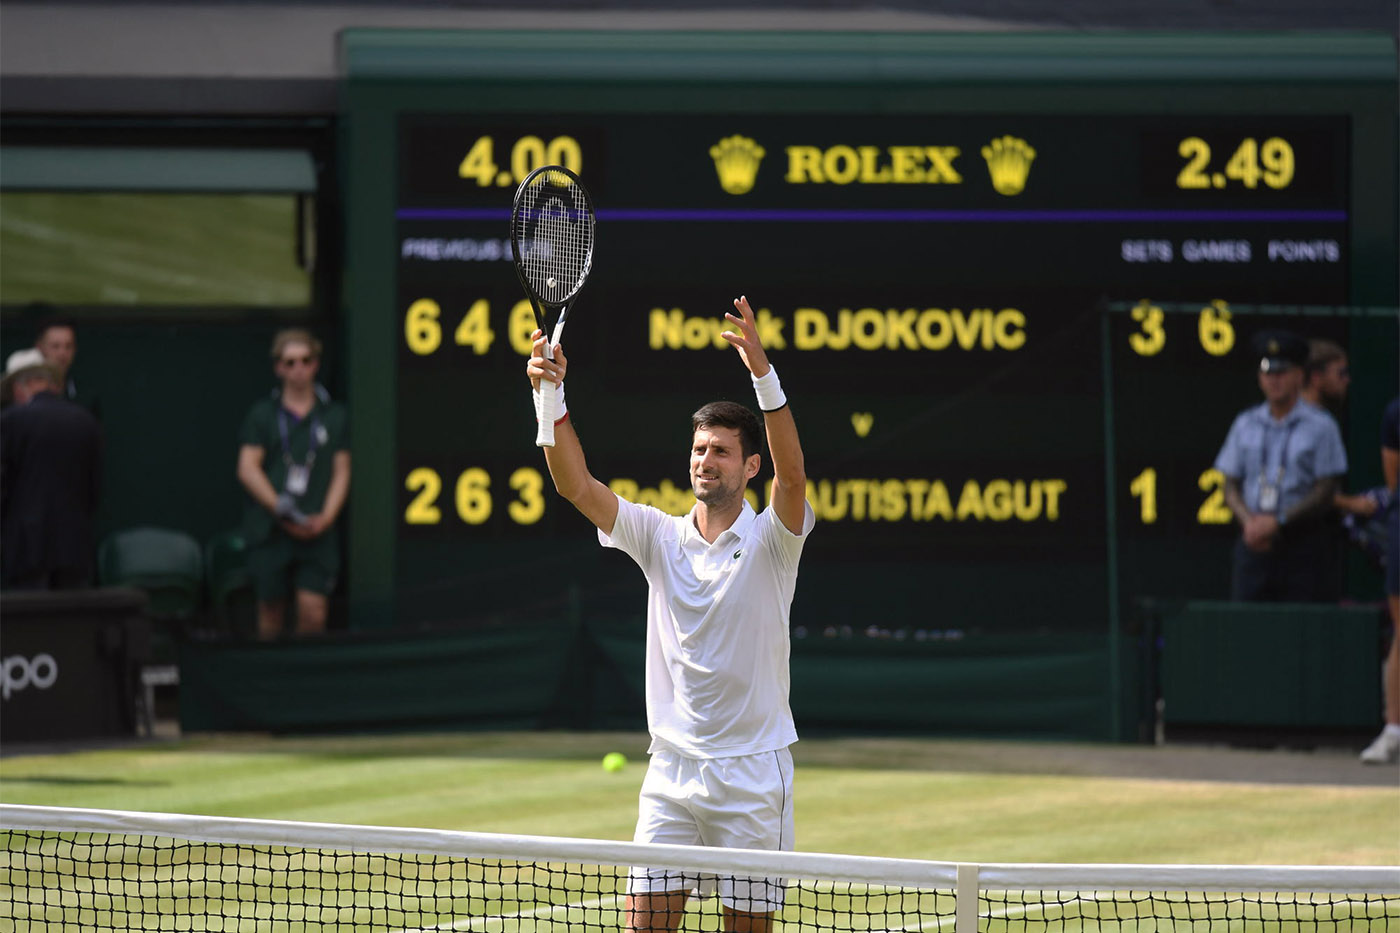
(166, 563)
(230, 584)
(169, 566)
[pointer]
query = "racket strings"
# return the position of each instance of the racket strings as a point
(554, 227)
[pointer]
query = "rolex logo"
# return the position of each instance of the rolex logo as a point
(736, 161)
(1009, 162)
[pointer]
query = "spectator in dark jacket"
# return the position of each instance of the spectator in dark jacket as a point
(50, 468)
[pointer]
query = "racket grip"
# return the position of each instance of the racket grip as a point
(549, 410)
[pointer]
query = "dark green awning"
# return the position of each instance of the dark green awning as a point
(90, 168)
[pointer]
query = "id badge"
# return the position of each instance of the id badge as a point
(298, 476)
(1268, 497)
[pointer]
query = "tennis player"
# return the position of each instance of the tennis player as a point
(721, 581)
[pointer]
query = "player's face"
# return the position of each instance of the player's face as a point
(59, 345)
(718, 470)
(296, 366)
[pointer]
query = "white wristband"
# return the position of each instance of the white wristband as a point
(561, 410)
(769, 391)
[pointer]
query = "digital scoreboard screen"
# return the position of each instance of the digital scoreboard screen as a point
(931, 287)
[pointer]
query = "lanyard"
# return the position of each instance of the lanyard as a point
(314, 442)
(1283, 460)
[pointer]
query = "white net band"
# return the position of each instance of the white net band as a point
(113, 870)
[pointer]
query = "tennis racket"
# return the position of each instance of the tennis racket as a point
(551, 237)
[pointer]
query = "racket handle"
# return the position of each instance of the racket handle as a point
(544, 431)
(549, 409)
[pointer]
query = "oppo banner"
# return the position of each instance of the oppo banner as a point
(69, 663)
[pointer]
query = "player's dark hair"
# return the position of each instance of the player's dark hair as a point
(731, 415)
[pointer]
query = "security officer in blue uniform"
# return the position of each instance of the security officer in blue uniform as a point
(1282, 460)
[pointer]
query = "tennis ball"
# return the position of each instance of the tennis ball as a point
(614, 761)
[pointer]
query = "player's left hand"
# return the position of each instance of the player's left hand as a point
(746, 340)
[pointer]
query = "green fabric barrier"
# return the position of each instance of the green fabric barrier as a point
(592, 677)
(1023, 685)
(1271, 665)
(483, 678)
(1042, 686)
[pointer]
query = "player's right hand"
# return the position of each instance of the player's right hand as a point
(539, 368)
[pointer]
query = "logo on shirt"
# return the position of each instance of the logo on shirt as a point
(737, 553)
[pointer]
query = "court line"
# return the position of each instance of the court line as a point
(478, 923)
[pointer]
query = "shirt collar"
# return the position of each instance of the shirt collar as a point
(739, 529)
(1295, 414)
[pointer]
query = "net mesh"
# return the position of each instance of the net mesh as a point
(58, 879)
(1165, 910)
(552, 229)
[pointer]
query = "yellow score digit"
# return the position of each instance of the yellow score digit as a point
(474, 496)
(479, 163)
(1277, 156)
(1214, 327)
(421, 328)
(423, 509)
(475, 329)
(529, 485)
(1153, 336)
(1144, 488)
(1196, 152)
(1213, 511)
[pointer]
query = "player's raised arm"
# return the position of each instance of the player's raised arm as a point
(789, 469)
(567, 466)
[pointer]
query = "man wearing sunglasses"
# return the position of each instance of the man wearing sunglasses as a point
(294, 460)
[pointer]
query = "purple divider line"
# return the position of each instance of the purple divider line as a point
(780, 215)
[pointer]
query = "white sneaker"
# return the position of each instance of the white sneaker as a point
(1384, 750)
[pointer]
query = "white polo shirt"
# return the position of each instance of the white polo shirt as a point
(717, 628)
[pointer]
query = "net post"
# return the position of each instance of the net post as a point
(965, 910)
(1110, 476)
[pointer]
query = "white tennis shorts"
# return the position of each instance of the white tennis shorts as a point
(737, 803)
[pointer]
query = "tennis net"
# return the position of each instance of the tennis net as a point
(104, 870)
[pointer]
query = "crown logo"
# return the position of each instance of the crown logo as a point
(736, 160)
(1009, 162)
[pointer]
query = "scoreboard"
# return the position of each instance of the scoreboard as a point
(1011, 315)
